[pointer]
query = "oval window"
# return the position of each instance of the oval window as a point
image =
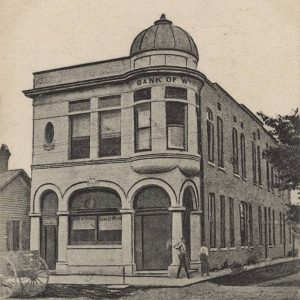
(49, 133)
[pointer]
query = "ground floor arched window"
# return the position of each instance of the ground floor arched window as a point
(95, 217)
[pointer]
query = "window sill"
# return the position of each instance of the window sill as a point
(245, 179)
(244, 247)
(223, 249)
(94, 247)
(211, 164)
(237, 175)
(270, 246)
(222, 169)
(213, 249)
(260, 186)
(232, 248)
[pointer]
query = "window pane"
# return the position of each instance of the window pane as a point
(79, 105)
(143, 116)
(110, 133)
(80, 147)
(142, 94)
(143, 139)
(110, 101)
(81, 125)
(110, 229)
(176, 93)
(175, 137)
(175, 113)
(83, 229)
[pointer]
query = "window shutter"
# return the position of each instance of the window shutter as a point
(9, 235)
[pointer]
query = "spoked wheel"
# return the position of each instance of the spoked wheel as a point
(8, 278)
(34, 281)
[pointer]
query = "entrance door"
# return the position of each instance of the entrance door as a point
(49, 245)
(152, 229)
(186, 219)
(153, 242)
(49, 229)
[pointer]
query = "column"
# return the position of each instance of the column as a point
(176, 236)
(35, 224)
(127, 240)
(62, 264)
(195, 238)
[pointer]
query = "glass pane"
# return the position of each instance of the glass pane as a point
(110, 124)
(175, 92)
(142, 94)
(81, 125)
(175, 113)
(83, 229)
(80, 147)
(176, 137)
(143, 116)
(143, 141)
(79, 105)
(110, 146)
(110, 101)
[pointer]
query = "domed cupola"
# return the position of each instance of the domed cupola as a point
(163, 35)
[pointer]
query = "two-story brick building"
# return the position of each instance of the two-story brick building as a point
(133, 153)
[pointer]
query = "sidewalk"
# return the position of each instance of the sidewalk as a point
(116, 282)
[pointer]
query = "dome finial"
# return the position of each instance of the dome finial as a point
(163, 20)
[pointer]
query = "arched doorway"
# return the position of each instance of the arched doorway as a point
(187, 203)
(49, 226)
(152, 229)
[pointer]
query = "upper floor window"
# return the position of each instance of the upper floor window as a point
(176, 93)
(198, 117)
(231, 222)
(210, 134)
(110, 133)
(176, 120)
(223, 222)
(243, 156)
(79, 105)
(220, 142)
(254, 163)
(80, 136)
(235, 151)
(260, 226)
(142, 94)
(142, 117)
(258, 165)
(49, 133)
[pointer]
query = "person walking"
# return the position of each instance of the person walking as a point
(181, 248)
(204, 264)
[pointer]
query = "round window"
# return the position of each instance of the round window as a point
(49, 133)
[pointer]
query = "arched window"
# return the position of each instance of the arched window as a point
(49, 133)
(95, 217)
(210, 135)
(152, 197)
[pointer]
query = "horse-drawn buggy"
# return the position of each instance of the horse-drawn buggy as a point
(22, 273)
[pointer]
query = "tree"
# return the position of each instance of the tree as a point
(285, 155)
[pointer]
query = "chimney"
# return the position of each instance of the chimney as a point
(4, 157)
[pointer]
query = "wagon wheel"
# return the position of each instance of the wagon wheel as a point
(35, 279)
(8, 278)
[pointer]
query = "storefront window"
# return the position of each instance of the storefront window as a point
(95, 218)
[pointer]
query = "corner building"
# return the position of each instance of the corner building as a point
(133, 153)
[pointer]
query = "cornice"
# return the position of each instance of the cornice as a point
(72, 163)
(117, 79)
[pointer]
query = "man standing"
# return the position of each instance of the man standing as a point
(182, 257)
(204, 265)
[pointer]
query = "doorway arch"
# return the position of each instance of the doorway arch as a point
(49, 228)
(152, 229)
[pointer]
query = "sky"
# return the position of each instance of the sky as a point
(251, 48)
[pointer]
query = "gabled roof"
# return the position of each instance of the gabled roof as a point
(8, 176)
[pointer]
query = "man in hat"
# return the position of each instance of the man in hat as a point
(181, 248)
(203, 253)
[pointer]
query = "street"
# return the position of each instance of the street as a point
(275, 288)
